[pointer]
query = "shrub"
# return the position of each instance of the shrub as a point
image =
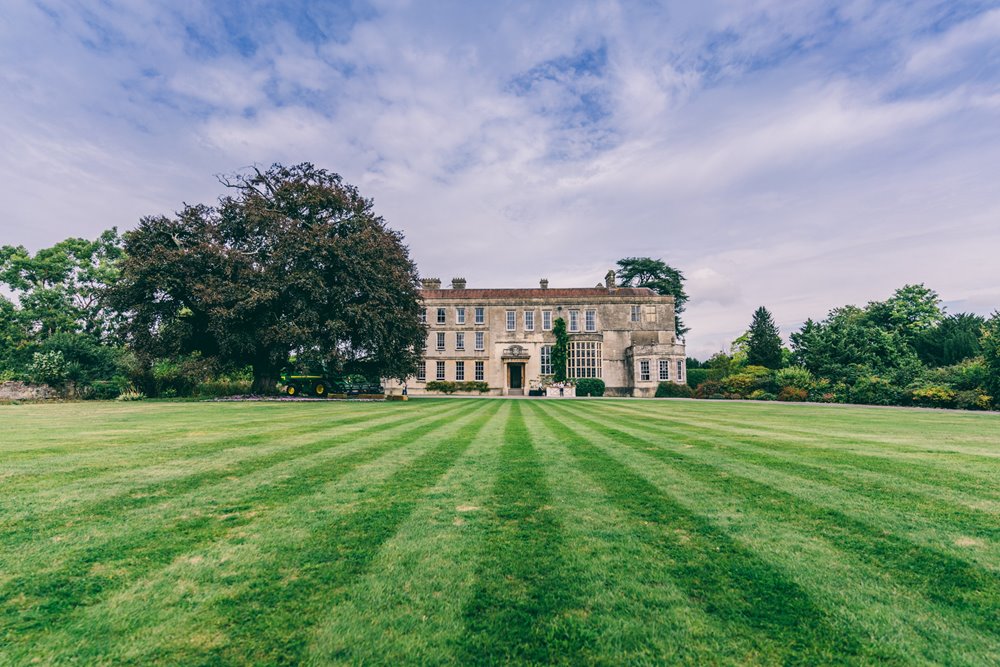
(221, 387)
(590, 387)
(972, 400)
(444, 386)
(709, 389)
(131, 394)
(794, 394)
(761, 395)
(794, 376)
(474, 385)
(673, 390)
(48, 368)
(749, 379)
(106, 390)
(875, 390)
(933, 396)
(695, 376)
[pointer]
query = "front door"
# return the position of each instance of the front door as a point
(516, 378)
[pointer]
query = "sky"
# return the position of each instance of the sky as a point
(795, 155)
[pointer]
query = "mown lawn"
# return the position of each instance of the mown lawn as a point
(494, 531)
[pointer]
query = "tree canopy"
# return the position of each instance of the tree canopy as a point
(659, 277)
(763, 341)
(294, 263)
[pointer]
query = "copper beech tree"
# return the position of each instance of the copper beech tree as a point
(294, 262)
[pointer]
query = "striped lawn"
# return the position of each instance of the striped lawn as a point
(476, 531)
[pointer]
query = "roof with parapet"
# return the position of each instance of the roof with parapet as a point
(535, 293)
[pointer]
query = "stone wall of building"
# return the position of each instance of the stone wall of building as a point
(632, 328)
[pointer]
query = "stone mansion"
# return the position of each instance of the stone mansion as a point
(623, 335)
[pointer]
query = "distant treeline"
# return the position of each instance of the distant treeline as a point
(905, 350)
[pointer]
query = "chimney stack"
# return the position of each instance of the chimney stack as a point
(544, 283)
(458, 283)
(431, 283)
(609, 279)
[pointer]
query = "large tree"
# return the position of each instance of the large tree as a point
(763, 340)
(659, 277)
(295, 262)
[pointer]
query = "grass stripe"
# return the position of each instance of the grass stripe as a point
(271, 622)
(925, 501)
(754, 601)
(967, 590)
(525, 608)
(136, 497)
(74, 583)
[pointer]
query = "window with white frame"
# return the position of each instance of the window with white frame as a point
(664, 369)
(680, 370)
(459, 340)
(440, 370)
(440, 340)
(423, 316)
(635, 313)
(574, 320)
(546, 320)
(460, 371)
(441, 316)
(511, 320)
(546, 357)
(460, 316)
(480, 340)
(529, 320)
(644, 370)
(480, 371)
(590, 320)
(480, 315)
(422, 372)
(584, 359)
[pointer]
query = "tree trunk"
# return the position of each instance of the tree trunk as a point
(265, 380)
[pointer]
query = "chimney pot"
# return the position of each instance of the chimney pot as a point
(431, 283)
(544, 283)
(458, 283)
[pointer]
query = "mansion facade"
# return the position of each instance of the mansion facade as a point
(622, 335)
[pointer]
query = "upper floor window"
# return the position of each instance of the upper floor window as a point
(480, 315)
(590, 320)
(459, 340)
(441, 316)
(440, 340)
(574, 320)
(664, 369)
(423, 316)
(480, 340)
(511, 320)
(644, 370)
(635, 313)
(546, 320)
(529, 320)
(460, 315)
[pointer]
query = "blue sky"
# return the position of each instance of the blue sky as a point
(797, 155)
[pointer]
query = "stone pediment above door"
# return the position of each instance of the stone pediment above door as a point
(515, 352)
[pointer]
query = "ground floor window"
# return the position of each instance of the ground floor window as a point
(680, 370)
(460, 371)
(440, 370)
(584, 360)
(480, 371)
(664, 369)
(422, 372)
(546, 357)
(644, 370)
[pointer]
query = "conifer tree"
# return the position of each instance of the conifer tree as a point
(763, 340)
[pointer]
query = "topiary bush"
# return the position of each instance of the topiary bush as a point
(590, 387)
(669, 389)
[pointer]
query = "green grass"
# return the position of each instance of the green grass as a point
(466, 531)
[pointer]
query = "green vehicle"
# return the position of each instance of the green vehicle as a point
(322, 385)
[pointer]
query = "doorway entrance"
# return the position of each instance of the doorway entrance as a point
(515, 378)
